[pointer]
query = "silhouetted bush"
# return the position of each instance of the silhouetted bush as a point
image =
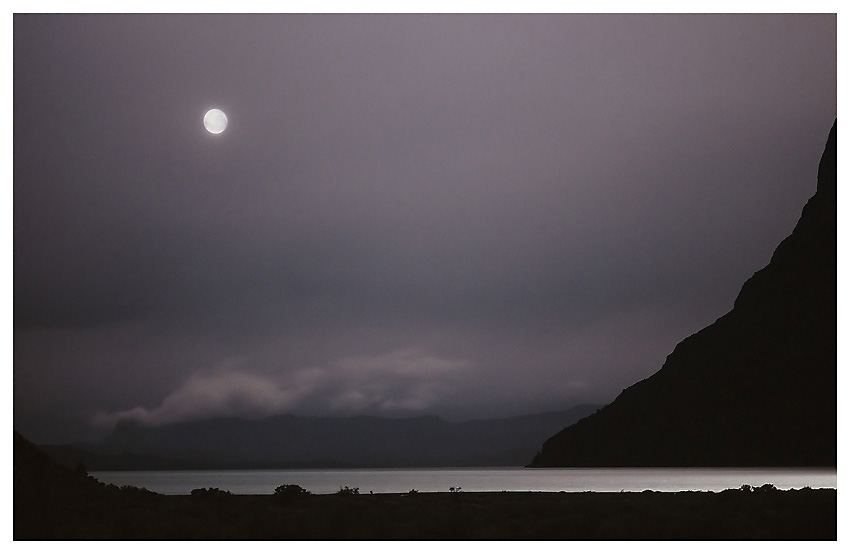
(129, 490)
(291, 491)
(210, 493)
(348, 491)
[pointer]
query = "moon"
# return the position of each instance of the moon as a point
(215, 121)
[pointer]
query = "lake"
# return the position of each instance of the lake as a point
(325, 481)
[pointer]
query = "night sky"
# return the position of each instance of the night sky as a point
(465, 216)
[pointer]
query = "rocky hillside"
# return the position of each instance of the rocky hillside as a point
(755, 388)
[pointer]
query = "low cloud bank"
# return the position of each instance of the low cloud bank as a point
(399, 380)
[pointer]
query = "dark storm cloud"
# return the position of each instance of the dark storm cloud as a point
(553, 201)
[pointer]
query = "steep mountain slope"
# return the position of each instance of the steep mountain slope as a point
(755, 388)
(288, 440)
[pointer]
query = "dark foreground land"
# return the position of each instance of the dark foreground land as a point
(52, 501)
(796, 515)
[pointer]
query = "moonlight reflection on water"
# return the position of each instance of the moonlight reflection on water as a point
(326, 481)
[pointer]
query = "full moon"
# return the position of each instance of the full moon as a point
(215, 121)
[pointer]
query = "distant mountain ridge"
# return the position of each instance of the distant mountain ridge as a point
(297, 441)
(756, 388)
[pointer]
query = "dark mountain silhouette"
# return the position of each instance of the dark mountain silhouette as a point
(755, 388)
(52, 501)
(296, 441)
(37, 472)
(72, 455)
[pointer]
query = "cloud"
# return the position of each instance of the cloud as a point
(411, 362)
(222, 393)
(405, 379)
(402, 380)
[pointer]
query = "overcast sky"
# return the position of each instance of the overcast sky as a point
(467, 216)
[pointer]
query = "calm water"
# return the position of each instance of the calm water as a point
(324, 481)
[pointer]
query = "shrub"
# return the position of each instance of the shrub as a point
(291, 491)
(210, 493)
(128, 490)
(348, 491)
